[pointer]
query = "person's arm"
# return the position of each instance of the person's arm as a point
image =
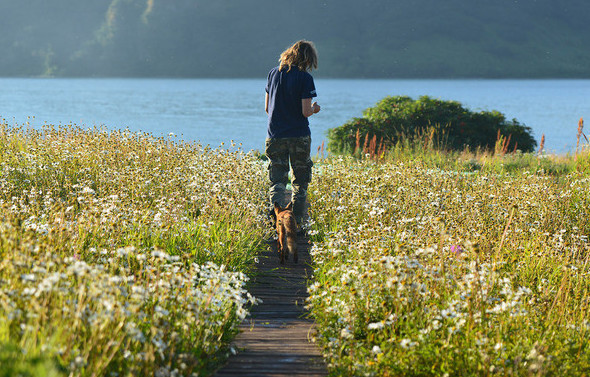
(266, 103)
(308, 108)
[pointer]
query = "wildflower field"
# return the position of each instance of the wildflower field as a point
(423, 269)
(122, 254)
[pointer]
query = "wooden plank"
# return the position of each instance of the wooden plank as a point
(263, 368)
(286, 337)
(271, 372)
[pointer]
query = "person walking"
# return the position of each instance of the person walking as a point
(289, 92)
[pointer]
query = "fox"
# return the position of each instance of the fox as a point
(287, 230)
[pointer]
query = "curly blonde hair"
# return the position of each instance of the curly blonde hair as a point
(302, 54)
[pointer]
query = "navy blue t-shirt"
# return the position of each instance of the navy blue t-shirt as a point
(285, 92)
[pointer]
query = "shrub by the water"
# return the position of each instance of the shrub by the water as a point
(445, 125)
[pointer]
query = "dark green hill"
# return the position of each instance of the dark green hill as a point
(233, 38)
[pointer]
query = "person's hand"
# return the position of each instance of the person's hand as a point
(316, 108)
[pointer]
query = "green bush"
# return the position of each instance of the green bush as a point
(442, 124)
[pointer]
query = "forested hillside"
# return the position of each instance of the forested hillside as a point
(237, 38)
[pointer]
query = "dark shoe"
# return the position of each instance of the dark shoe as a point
(300, 231)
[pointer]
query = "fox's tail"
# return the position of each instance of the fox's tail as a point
(291, 230)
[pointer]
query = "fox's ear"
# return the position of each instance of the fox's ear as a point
(290, 206)
(277, 206)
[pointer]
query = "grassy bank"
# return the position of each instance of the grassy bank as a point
(461, 264)
(122, 254)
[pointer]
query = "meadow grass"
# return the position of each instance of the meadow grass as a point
(427, 266)
(123, 254)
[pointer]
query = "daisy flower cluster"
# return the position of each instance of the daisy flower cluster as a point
(421, 271)
(130, 312)
(123, 253)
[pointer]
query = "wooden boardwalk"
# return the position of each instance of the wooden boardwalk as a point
(276, 339)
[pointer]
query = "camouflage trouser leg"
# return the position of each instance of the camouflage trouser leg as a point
(278, 169)
(301, 165)
(296, 151)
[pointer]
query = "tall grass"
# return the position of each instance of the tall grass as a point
(430, 150)
(123, 254)
(427, 267)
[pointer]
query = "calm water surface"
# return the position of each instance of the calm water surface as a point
(213, 111)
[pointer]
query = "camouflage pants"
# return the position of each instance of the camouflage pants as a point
(296, 151)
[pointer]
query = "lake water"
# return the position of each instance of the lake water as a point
(213, 111)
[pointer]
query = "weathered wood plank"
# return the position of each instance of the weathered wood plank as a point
(261, 371)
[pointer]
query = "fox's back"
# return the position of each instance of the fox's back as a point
(287, 219)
